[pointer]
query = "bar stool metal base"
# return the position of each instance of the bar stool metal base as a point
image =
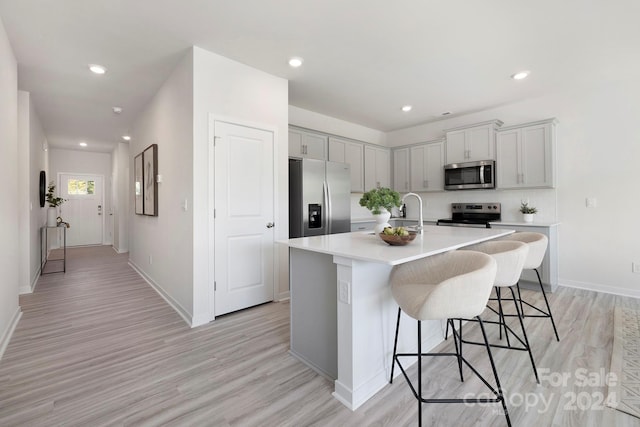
(543, 313)
(524, 340)
(457, 337)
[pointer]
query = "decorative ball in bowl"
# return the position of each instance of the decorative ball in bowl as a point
(397, 236)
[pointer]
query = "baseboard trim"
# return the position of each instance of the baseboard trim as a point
(283, 296)
(119, 251)
(32, 287)
(186, 316)
(199, 320)
(614, 290)
(8, 333)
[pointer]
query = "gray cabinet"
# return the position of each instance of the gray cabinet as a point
(377, 167)
(341, 150)
(427, 162)
(401, 175)
(309, 145)
(525, 155)
(471, 143)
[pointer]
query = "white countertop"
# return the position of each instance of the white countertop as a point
(371, 219)
(526, 224)
(366, 246)
(397, 218)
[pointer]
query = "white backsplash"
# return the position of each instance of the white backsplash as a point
(438, 205)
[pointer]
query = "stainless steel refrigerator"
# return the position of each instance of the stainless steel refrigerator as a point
(319, 198)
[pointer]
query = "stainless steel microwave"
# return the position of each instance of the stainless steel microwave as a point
(470, 175)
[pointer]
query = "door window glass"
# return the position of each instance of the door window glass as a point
(80, 187)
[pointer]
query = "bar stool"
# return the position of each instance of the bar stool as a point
(537, 243)
(453, 285)
(510, 257)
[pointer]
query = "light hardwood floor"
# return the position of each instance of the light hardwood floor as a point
(97, 346)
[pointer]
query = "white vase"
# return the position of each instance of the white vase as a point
(527, 217)
(52, 216)
(382, 221)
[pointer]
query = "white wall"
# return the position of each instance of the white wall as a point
(32, 159)
(226, 88)
(84, 162)
(23, 192)
(598, 147)
(177, 119)
(316, 121)
(9, 259)
(120, 197)
(167, 121)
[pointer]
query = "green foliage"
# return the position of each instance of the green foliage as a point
(380, 198)
(526, 209)
(51, 198)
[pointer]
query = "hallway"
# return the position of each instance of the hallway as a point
(98, 345)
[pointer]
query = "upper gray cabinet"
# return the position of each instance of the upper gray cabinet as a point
(341, 150)
(307, 145)
(470, 143)
(401, 175)
(377, 167)
(525, 155)
(427, 167)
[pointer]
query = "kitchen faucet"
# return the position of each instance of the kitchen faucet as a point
(419, 226)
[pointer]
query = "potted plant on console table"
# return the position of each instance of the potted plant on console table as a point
(527, 211)
(380, 201)
(54, 202)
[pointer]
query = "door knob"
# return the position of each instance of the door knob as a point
(270, 225)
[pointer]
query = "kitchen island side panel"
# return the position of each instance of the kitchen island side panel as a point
(314, 331)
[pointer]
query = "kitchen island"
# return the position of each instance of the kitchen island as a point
(342, 310)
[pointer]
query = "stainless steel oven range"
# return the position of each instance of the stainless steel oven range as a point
(472, 215)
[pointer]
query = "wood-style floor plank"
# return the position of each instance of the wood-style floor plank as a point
(97, 346)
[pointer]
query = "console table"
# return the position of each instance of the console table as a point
(44, 257)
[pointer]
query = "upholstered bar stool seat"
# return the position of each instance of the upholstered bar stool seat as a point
(538, 244)
(510, 257)
(447, 286)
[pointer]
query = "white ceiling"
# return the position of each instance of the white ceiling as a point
(363, 59)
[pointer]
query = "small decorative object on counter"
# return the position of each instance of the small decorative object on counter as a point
(380, 201)
(397, 236)
(527, 211)
(54, 202)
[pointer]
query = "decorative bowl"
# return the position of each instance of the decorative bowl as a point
(395, 240)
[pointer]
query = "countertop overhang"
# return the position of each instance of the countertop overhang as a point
(367, 246)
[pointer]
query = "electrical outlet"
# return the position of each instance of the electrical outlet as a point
(344, 291)
(591, 202)
(635, 267)
(150, 259)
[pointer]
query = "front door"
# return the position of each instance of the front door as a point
(244, 212)
(83, 208)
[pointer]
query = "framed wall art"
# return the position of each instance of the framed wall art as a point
(150, 187)
(138, 184)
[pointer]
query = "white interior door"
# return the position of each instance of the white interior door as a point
(244, 213)
(83, 209)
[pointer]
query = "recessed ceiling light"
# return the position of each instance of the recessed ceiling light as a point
(98, 69)
(126, 137)
(117, 110)
(407, 108)
(295, 62)
(520, 75)
(83, 144)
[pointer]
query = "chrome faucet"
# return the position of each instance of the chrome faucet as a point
(419, 226)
